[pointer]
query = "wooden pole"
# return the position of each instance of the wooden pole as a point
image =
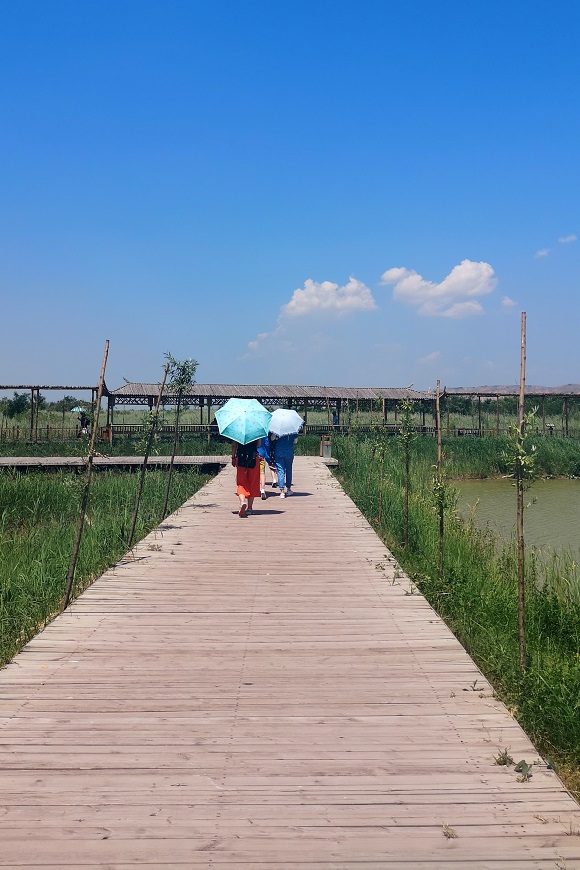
(152, 431)
(440, 504)
(543, 415)
(380, 517)
(520, 506)
(479, 414)
(31, 413)
(174, 451)
(88, 474)
(497, 415)
(36, 414)
(327, 406)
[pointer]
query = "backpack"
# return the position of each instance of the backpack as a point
(246, 454)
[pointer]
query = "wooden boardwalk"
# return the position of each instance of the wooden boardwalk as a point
(55, 463)
(69, 463)
(265, 693)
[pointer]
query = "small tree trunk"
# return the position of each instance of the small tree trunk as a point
(152, 431)
(175, 441)
(372, 462)
(407, 487)
(85, 498)
(381, 485)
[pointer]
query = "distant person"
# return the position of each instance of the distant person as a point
(335, 417)
(266, 458)
(283, 450)
(84, 423)
(245, 461)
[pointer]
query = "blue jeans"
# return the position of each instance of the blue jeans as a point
(284, 469)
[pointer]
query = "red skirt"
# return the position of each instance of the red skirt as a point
(248, 480)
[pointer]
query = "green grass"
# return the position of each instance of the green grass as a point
(38, 521)
(478, 595)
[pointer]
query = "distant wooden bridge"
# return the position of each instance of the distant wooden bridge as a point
(265, 693)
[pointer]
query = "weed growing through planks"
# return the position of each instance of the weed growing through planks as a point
(503, 758)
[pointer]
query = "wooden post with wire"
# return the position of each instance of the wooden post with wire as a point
(87, 487)
(152, 431)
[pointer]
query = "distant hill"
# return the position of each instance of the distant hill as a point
(564, 390)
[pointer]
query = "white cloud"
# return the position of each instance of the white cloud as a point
(565, 240)
(329, 297)
(507, 302)
(543, 252)
(319, 298)
(453, 297)
(431, 357)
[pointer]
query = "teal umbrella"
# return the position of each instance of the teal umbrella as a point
(243, 420)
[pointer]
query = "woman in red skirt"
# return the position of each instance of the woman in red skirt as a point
(245, 460)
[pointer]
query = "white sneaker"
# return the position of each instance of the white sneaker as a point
(282, 495)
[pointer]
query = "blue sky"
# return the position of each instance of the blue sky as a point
(347, 193)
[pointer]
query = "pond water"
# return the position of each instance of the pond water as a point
(551, 522)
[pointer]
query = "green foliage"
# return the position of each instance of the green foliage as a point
(407, 434)
(18, 404)
(181, 373)
(521, 454)
(38, 521)
(478, 595)
(67, 403)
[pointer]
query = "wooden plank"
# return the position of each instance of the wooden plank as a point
(263, 693)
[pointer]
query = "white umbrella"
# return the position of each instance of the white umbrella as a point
(285, 422)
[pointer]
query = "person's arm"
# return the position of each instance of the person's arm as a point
(234, 453)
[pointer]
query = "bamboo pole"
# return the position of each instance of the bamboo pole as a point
(31, 413)
(88, 474)
(439, 480)
(520, 507)
(152, 431)
(173, 452)
(381, 478)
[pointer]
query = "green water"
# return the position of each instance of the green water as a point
(551, 522)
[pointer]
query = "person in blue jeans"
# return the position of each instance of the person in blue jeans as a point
(283, 449)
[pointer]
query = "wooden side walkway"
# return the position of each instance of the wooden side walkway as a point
(265, 693)
(67, 463)
(55, 463)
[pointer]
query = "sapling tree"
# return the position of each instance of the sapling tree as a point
(406, 437)
(439, 485)
(181, 377)
(150, 432)
(521, 460)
